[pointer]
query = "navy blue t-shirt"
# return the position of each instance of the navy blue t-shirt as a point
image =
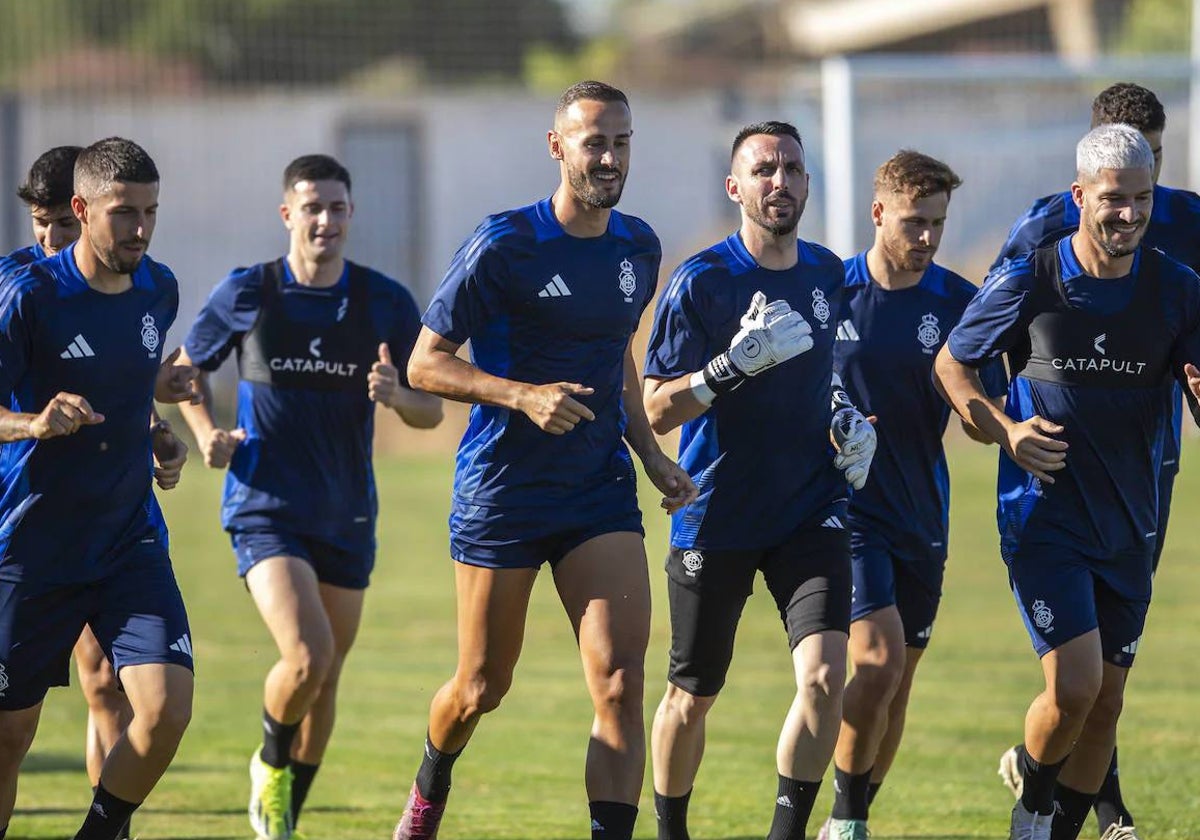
(73, 505)
(20, 258)
(306, 462)
(760, 456)
(1106, 498)
(541, 306)
(886, 344)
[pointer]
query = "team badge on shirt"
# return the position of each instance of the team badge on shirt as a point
(149, 333)
(692, 561)
(627, 280)
(928, 332)
(820, 308)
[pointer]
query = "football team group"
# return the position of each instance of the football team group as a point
(811, 395)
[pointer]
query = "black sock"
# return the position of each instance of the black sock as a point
(1110, 807)
(793, 806)
(277, 741)
(612, 820)
(433, 776)
(671, 814)
(105, 817)
(851, 794)
(302, 779)
(873, 791)
(1038, 793)
(125, 833)
(1070, 810)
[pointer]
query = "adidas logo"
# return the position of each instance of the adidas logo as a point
(596, 824)
(833, 522)
(785, 802)
(555, 288)
(77, 349)
(926, 633)
(183, 645)
(846, 331)
(1132, 647)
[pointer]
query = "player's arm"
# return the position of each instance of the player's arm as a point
(417, 409)
(216, 444)
(65, 414)
(434, 367)
(675, 484)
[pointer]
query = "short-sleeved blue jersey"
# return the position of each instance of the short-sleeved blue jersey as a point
(541, 306)
(760, 456)
(20, 258)
(72, 505)
(1091, 355)
(886, 344)
(306, 462)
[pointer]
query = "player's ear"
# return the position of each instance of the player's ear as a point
(79, 208)
(554, 143)
(731, 189)
(877, 212)
(1077, 194)
(285, 213)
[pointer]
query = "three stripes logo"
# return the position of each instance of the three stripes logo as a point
(846, 331)
(555, 288)
(183, 645)
(78, 349)
(833, 522)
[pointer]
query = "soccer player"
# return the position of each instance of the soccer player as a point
(550, 296)
(47, 193)
(1078, 510)
(315, 336)
(1173, 227)
(757, 399)
(80, 350)
(898, 308)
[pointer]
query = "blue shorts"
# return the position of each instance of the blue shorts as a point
(525, 538)
(1063, 593)
(334, 565)
(906, 575)
(136, 613)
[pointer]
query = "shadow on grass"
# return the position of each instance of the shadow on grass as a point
(43, 762)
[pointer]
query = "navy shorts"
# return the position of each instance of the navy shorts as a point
(334, 565)
(808, 575)
(1063, 593)
(526, 538)
(906, 575)
(136, 613)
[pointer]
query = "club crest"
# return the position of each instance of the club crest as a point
(928, 332)
(149, 333)
(820, 308)
(627, 280)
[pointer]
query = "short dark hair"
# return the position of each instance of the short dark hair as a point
(51, 180)
(915, 174)
(593, 90)
(314, 168)
(1130, 104)
(773, 128)
(110, 160)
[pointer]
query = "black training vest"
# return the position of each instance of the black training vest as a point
(1071, 346)
(284, 353)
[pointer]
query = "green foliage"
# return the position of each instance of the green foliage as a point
(1156, 26)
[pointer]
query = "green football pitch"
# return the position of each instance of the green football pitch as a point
(521, 777)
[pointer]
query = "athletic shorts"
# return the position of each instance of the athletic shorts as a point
(1063, 593)
(526, 538)
(907, 576)
(334, 565)
(808, 576)
(136, 613)
(1166, 488)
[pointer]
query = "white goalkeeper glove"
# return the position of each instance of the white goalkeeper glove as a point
(853, 437)
(770, 333)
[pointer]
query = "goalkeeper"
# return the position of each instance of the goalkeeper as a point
(750, 382)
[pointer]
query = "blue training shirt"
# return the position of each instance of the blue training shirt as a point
(306, 462)
(760, 455)
(541, 306)
(1106, 498)
(20, 258)
(886, 343)
(72, 505)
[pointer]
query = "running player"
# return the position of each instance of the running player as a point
(898, 309)
(549, 296)
(80, 350)
(757, 398)
(315, 336)
(1078, 496)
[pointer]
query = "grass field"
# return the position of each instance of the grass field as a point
(522, 775)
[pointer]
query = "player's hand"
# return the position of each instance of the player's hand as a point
(854, 438)
(1030, 444)
(170, 454)
(1193, 379)
(383, 382)
(177, 383)
(218, 446)
(771, 333)
(63, 415)
(552, 407)
(672, 480)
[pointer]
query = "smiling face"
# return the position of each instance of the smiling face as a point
(1114, 208)
(591, 139)
(54, 228)
(317, 214)
(769, 182)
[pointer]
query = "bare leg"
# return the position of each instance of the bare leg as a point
(810, 730)
(17, 729)
(108, 710)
